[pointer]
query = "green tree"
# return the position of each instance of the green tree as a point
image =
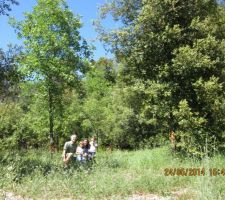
(175, 49)
(9, 75)
(10, 125)
(55, 52)
(108, 67)
(98, 85)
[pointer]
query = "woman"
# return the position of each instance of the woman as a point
(86, 147)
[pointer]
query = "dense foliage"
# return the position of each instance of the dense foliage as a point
(168, 75)
(54, 52)
(173, 62)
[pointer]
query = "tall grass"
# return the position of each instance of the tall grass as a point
(114, 175)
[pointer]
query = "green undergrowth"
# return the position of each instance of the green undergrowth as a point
(114, 175)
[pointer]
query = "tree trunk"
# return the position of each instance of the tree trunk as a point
(60, 131)
(51, 120)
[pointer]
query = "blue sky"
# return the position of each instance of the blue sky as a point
(87, 9)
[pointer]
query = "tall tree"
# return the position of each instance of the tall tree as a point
(98, 85)
(176, 47)
(55, 52)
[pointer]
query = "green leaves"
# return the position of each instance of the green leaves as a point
(54, 52)
(52, 40)
(191, 133)
(172, 55)
(169, 74)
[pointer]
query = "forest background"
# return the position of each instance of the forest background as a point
(165, 73)
(168, 74)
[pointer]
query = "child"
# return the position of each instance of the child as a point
(93, 147)
(80, 152)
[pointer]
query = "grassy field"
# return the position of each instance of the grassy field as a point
(115, 175)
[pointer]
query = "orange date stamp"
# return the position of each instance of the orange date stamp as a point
(184, 171)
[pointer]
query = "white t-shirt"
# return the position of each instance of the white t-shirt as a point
(79, 150)
(93, 146)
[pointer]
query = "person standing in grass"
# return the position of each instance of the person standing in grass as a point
(93, 147)
(69, 150)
